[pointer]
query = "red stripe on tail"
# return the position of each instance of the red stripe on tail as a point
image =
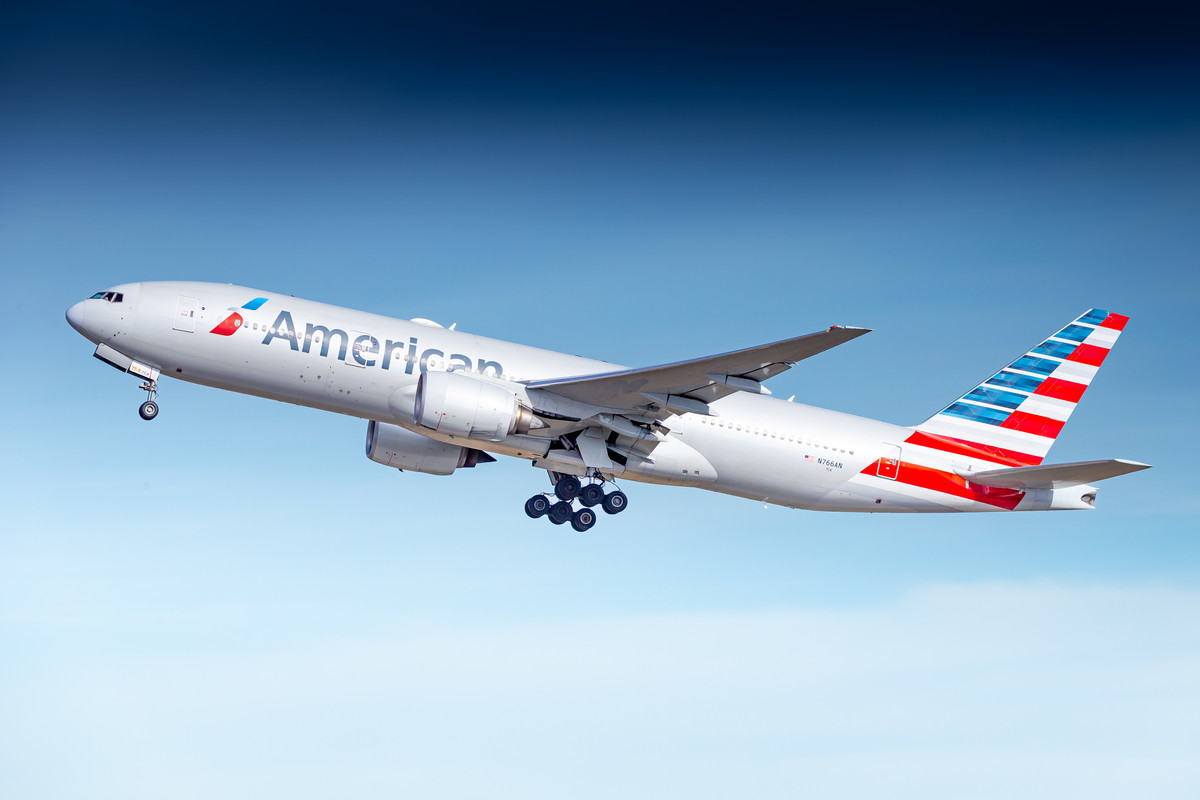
(1089, 354)
(1115, 321)
(1060, 389)
(961, 447)
(1032, 423)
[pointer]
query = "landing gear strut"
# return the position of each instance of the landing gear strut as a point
(568, 489)
(149, 409)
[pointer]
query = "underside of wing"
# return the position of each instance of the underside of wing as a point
(692, 385)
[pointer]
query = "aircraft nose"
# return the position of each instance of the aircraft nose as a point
(77, 316)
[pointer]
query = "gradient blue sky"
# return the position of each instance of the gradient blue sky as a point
(232, 601)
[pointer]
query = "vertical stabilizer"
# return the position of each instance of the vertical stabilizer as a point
(1014, 416)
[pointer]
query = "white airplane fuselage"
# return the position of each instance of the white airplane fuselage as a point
(367, 366)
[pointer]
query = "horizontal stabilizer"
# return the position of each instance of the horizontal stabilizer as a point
(1054, 476)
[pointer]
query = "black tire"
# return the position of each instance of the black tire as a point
(615, 502)
(591, 495)
(567, 488)
(537, 506)
(559, 512)
(148, 410)
(583, 519)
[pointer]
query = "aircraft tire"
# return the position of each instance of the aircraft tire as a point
(583, 519)
(592, 494)
(559, 512)
(615, 502)
(537, 506)
(148, 410)
(567, 488)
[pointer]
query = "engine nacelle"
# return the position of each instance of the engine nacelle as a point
(463, 405)
(398, 447)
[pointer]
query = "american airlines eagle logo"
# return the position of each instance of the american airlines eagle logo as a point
(229, 325)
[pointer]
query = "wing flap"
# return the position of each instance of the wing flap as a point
(1054, 476)
(704, 379)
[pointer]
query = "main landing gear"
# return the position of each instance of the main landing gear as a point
(149, 409)
(568, 489)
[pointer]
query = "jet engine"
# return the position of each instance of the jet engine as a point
(463, 405)
(398, 447)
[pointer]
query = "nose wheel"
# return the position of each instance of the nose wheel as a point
(568, 490)
(149, 409)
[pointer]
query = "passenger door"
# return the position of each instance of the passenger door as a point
(185, 314)
(889, 462)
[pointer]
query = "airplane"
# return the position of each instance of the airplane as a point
(438, 399)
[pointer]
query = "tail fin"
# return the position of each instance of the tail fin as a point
(1014, 416)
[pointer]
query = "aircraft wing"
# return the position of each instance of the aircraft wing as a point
(691, 385)
(1055, 476)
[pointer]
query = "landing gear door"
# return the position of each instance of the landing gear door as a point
(889, 462)
(185, 314)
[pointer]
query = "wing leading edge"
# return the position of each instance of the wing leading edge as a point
(691, 385)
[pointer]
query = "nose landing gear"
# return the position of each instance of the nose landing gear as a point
(149, 409)
(568, 489)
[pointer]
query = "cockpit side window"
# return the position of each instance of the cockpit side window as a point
(111, 297)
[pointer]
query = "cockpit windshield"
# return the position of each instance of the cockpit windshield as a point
(111, 297)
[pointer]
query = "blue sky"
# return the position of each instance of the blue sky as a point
(233, 600)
